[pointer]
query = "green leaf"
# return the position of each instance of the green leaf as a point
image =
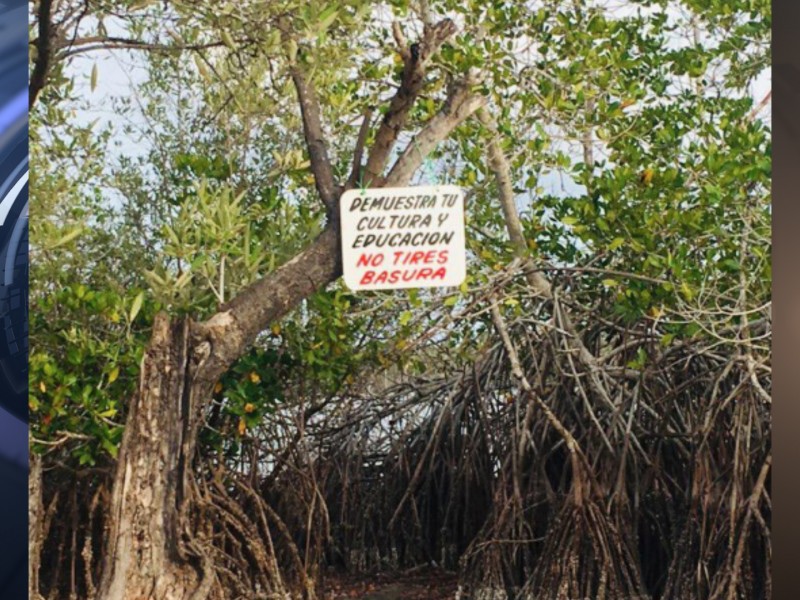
(140, 4)
(202, 67)
(291, 51)
(227, 39)
(327, 17)
(136, 307)
(67, 238)
(617, 242)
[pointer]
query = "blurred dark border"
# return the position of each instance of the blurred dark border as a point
(786, 296)
(13, 299)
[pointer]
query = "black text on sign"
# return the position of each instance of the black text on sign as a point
(410, 237)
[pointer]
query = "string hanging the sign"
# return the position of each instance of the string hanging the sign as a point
(361, 180)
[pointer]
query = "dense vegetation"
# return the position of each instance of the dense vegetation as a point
(588, 416)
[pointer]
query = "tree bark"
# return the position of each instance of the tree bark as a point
(44, 52)
(35, 525)
(154, 550)
(147, 555)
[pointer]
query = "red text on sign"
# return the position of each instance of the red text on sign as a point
(424, 274)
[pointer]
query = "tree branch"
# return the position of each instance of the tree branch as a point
(355, 175)
(91, 44)
(415, 60)
(502, 172)
(235, 327)
(44, 52)
(538, 282)
(577, 457)
(458, 107)
(760, 106)
(312, 129)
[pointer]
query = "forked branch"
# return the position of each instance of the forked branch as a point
(461, 103)
(415, 61)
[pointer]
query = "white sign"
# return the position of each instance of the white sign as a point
(410, 237)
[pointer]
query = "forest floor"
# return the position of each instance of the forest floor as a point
(430, 584)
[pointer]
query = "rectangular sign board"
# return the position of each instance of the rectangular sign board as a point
(394, 238)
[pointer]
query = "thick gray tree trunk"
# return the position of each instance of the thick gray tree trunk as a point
(153, 548)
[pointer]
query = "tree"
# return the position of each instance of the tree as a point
(155, 547)
(636, 204)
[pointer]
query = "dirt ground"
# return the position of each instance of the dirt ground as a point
(428, 584)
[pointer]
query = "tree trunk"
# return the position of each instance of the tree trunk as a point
(35, 525)
(154, 550)
(147, 557)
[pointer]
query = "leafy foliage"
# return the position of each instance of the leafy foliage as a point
(640, 164)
